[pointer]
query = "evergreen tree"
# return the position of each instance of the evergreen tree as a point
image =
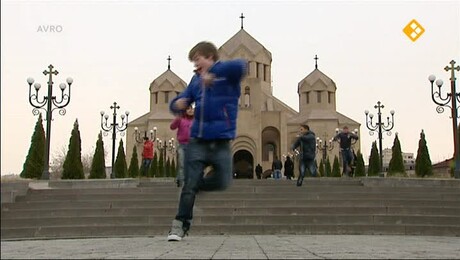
(141, 171)
(133, 170)
(328, 167)
(336, 167)
(98, 163)
(153, 171)
(120, 168)
(374, 161)
(321, 168)
(161, 166)
(360, 168)
(423, 166)
(35, 161)
(73, 167)
(168, 168)
(173, 168)
(396, 163)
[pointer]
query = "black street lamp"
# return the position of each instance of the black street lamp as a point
(325, 146)
(49, 101)
(453, 97)
(379, 127)
(139, 139)
(114, 127)
(163, 147)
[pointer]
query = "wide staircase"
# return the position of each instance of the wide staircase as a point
(321, 206)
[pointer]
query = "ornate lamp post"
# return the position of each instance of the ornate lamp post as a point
(379, 126)
(163, 147)
(325, 146)
(139, 139)
(453, 97)
(114, 127)
(49, 101)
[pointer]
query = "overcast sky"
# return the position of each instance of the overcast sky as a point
(114, 49)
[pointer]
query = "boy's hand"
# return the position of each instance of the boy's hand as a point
(207, 78)
(181, 103)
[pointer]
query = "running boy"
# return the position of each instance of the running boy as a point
(215, 89)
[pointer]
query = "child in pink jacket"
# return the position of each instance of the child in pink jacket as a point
(183, 124)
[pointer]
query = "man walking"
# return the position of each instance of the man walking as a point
(345, 138)
(277, 165)
(307, 143)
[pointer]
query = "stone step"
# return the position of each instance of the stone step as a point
(233, 203)
(171, 211)
(268, 183)
(236, 220)
(227, 229)
(91, 208)
(246, 189)
(226, 196)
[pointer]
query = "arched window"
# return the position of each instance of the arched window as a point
(268, 147)
(270, 143)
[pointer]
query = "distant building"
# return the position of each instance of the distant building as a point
(266, 126)
(443, 168)
(408, 159)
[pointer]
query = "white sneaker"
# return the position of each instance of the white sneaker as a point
(177, 232)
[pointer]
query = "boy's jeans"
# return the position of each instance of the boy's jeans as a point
(146, 166)
(277, 174)
(199, 154)
(347, 157)
(310, 164)
(181, 154)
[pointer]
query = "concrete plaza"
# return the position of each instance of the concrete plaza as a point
(239, 247)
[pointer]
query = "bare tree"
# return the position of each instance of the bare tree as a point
(57, 161)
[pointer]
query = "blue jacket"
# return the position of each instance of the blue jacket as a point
(216, 106)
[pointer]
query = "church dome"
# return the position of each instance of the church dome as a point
(243, 40)
(168, 81)
(316, 79)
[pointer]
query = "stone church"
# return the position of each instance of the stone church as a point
(266, 126)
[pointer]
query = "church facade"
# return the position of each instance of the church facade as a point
(266, 126)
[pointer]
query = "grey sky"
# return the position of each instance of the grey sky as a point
(114, 49)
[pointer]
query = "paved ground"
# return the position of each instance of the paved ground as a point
(239, 247)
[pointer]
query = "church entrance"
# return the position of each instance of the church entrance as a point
(243, 165)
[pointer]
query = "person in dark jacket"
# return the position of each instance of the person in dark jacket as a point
(277, 165)
(259, 171)
(345, 138)
(215, 89)
(288, 168)
(307, 143)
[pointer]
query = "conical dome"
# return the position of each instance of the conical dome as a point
(168, 81)
(316, 79)
(243, 40)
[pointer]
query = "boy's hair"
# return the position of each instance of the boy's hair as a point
(305, 127)
(146, 138)
(207, 49)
